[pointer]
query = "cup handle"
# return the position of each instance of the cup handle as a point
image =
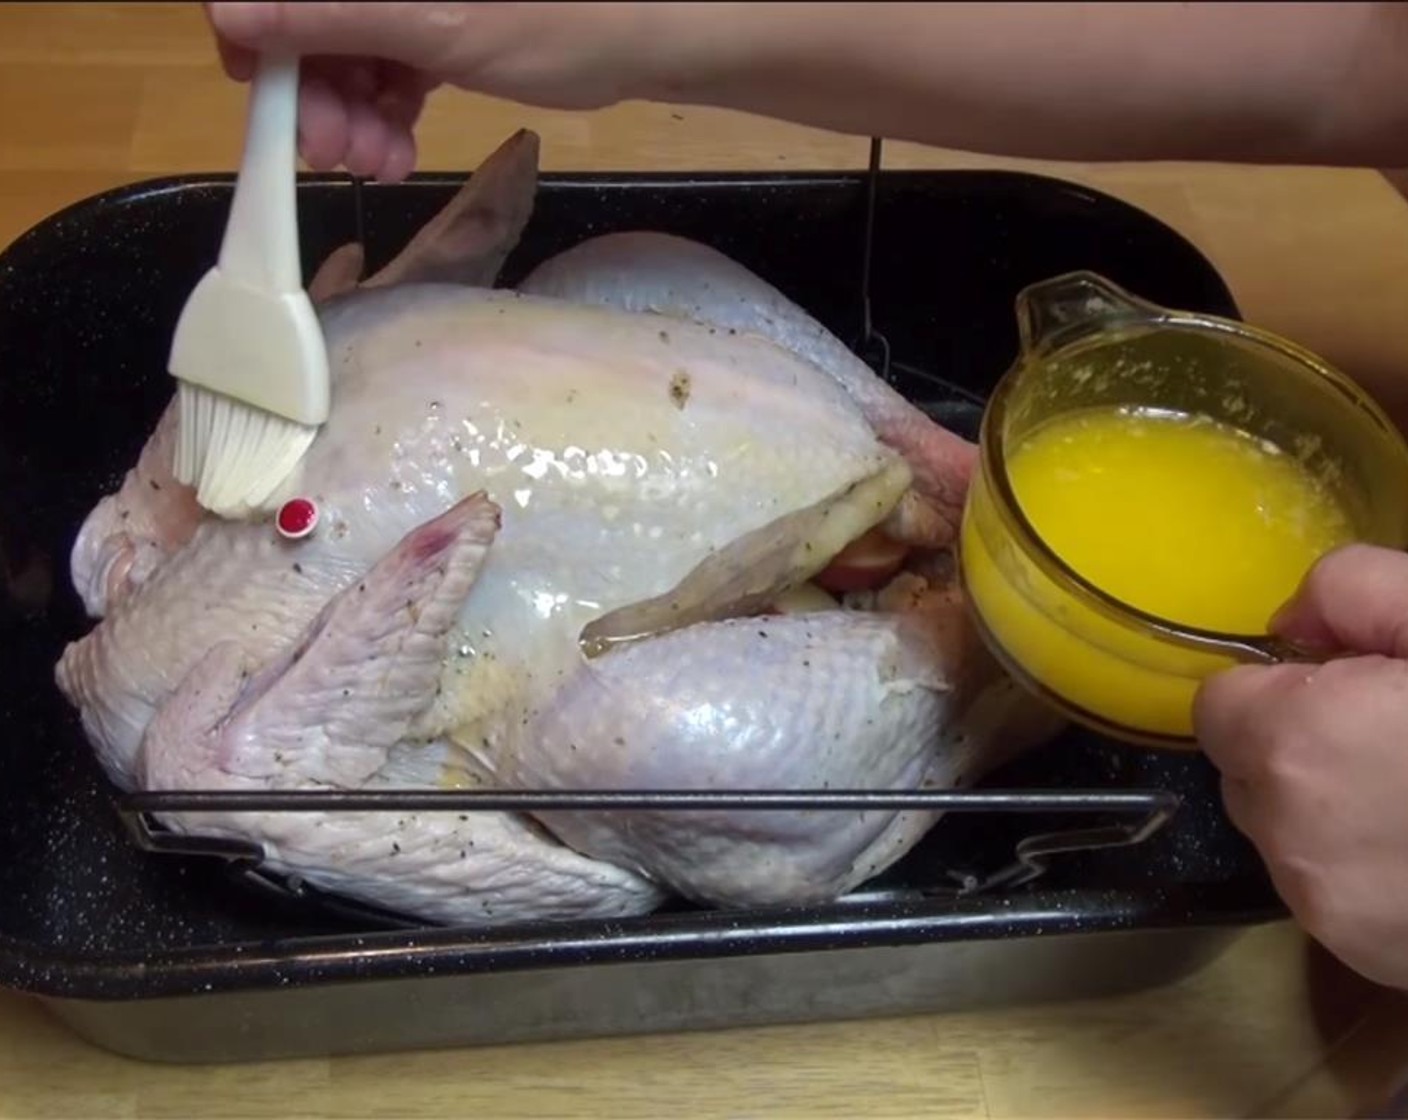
(1277, 651)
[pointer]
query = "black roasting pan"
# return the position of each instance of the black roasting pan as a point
(170, 958)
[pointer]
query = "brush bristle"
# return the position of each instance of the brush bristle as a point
(237, 457)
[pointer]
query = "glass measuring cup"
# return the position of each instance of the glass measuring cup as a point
(1084, 342)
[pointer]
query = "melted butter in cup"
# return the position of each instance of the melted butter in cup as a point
(1152, 488)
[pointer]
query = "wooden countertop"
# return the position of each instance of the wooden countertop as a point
(94, 95)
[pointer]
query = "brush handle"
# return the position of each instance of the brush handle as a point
(261, 237)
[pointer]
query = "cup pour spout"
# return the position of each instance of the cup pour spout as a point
(1056, 312)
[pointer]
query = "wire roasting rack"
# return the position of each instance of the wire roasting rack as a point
(1138, 813)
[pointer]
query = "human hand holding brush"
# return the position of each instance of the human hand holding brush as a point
(1277, 82)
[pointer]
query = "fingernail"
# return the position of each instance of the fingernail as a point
(1280, 619)
(243, 22)
(1305, 637)
(1289, 622)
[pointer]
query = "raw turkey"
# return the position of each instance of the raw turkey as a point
(570, 536)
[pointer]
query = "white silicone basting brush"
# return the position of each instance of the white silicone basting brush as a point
(248, 350)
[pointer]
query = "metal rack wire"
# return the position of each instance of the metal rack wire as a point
(1152, 808)
(1147, 810)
